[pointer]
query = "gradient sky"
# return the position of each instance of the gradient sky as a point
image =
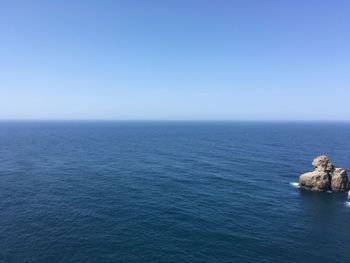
(175, 60)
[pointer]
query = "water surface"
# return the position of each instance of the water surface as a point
(169, 192)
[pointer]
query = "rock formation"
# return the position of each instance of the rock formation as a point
(349, 195)
(325, 177)
(339, 180)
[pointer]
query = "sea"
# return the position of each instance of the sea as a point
(177, 191)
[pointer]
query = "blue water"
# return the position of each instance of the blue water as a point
(169, 192)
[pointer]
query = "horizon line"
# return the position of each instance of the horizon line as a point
(168, 120)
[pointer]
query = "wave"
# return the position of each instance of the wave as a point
(294, 184)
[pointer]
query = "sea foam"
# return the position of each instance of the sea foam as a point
(294, 184)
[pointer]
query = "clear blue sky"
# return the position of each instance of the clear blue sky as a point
(205, 60)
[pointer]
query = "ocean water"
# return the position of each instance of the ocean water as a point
(169, 192)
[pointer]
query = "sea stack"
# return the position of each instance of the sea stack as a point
(325, 177)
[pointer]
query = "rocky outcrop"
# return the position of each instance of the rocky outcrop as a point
(349, 195)
(325, 177)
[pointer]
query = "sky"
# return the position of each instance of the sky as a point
(175, 60)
